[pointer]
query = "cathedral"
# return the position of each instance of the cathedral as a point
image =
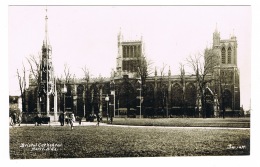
(131, 92)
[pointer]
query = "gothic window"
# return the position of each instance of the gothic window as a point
(223, 55)
(131, 51)
(127, 66)
(124, 51)
(227, 99)
(190, 94)
(229, 55)
(127, 97)
(127, 51)
(136, 51)
(149, 95)
(124, 65)
(79, 110)
(80, 90)
(130, 66)
(176, 95)
(135, 65)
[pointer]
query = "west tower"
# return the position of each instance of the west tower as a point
(225, 72)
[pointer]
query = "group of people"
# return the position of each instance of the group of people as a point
(68, 119)
(63, 118)
(15, 118)
(71, 119)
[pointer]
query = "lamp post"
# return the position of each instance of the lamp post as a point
(107, 100)
(140, 96)
(64, 91)
(84, 103)
(113, 92)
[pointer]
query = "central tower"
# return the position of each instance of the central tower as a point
(130, 54)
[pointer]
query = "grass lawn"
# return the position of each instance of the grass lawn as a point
(185, 122)
(39, 142)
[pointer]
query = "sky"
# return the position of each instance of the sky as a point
(87, 36)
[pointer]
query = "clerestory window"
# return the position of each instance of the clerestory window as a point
(223, 55)
(229, 55)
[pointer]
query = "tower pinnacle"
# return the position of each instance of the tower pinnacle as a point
(216, 28)
(216, 37)
(46, 28)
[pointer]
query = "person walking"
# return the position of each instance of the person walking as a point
(98, 120)
(61, 119)
(72, 120)
(66, 119)
(80, 119)
(111, 119)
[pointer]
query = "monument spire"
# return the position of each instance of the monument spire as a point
(46, 28)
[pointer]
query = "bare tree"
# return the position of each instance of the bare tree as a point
(161, 87)
(35, 70)
(162, 71)
(86, 78)
(67, 73)
(183, 84)
(34, 62)
(202, 66)
(22, 86)
(144, 67)
(86, 74)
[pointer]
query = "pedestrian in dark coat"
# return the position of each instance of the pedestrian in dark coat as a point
(111, 119)
(98, 119)
(61, 119)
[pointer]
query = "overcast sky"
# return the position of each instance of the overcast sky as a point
(87, 35)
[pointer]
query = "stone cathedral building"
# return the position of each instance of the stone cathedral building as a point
(124, 93)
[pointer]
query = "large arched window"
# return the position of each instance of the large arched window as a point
(223, 55)
(176, 95)
(128, 51)
(138, 50)
(79, 111)
(127, 96)
(124, 51)
(229, 55)
(149, 95)
(227, 99)
(190, 94)
(131, 51)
